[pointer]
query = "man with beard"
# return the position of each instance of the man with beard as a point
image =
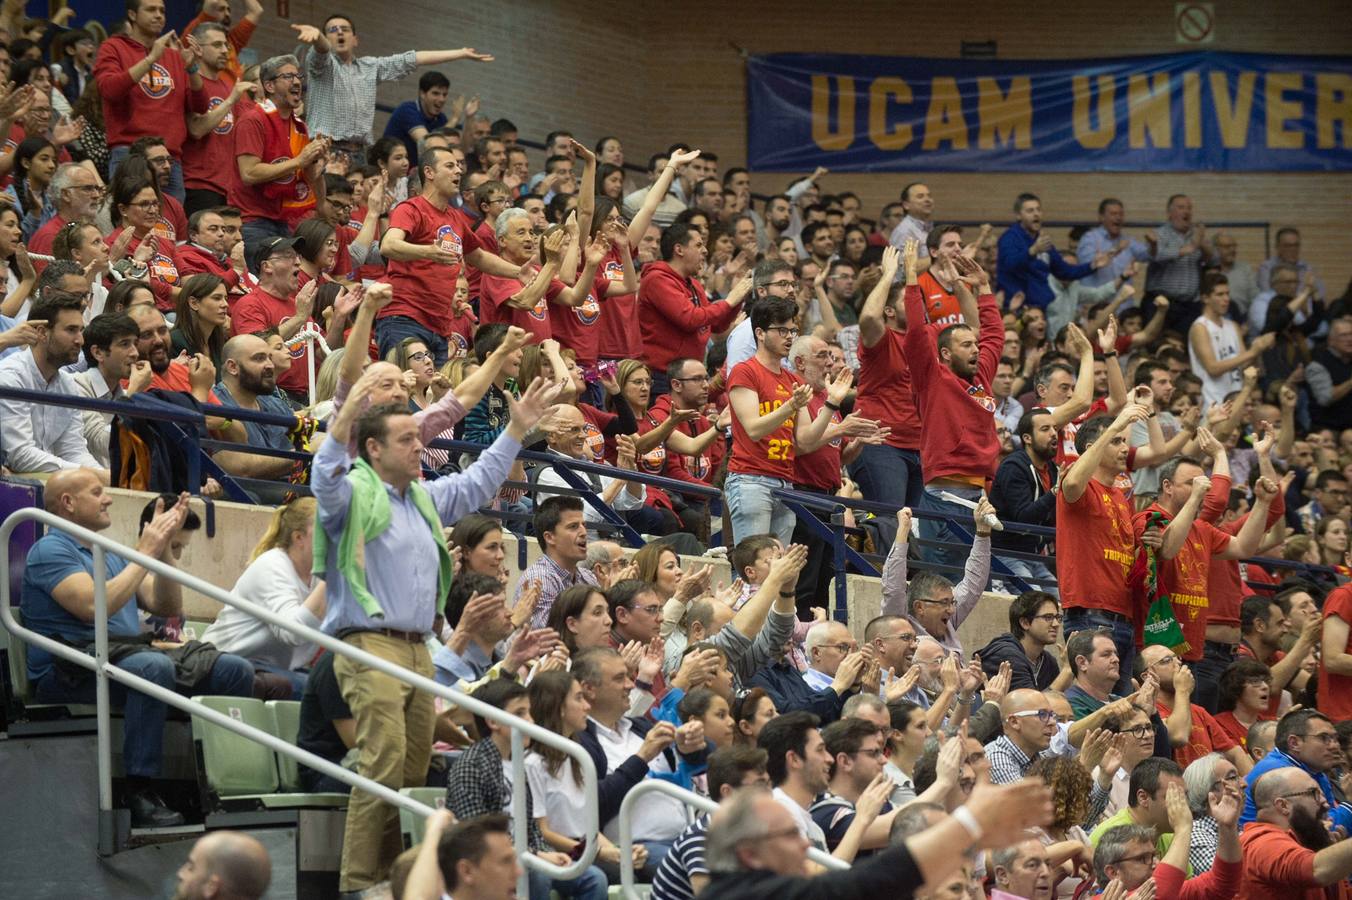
(209, 150)
(1287, 849)
(224, 863)
(248, 382)
(77, 192)
(280, 168)
(218, 12)
(39, 437)
(799, 767)
(1034, 625)
(1022, 870)
(275, 303)
(193, 376)
(1305, 740)
(1025, 491)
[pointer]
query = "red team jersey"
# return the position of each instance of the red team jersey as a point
(1096, 532)
(423, 289)
(772, 455)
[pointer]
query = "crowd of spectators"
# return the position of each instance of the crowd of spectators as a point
(1168, 715)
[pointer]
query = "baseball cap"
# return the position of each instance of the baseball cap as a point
(270, 248)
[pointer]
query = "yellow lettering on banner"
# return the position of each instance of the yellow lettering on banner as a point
(1090, 137)
(1004, 117)
(1148, 110)
(1278, 109)
(1192, 109)
(822, 135)
(1232, 116)
(1333, 107)
(944, 120)
(880, 93)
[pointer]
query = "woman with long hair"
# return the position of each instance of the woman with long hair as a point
(278, 578)
(202, 323)
(34, 166)
(1330, 534)
(318, 251)
(20, 275)
(610, 182)
(136, 207)
(753, 710)
(391, 156)
(558, 704)
(476, 542)
(1066, 836)
(659, 565)
(581, 617)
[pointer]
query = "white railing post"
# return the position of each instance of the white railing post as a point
(100, 543)
(107, 818)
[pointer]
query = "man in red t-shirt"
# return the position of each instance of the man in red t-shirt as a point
(1192, 730)
(1335, 660)
(1287, 852)
(279, 169)
(1095, 540)
(1189, 544)
(217, 12)
(818, 472)
(767, 431)
(1264, 629)
(889, 472)
(692, 447)
(209, 152)
(425, 249)
(275, 303)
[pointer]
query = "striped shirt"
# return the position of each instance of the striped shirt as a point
(686, 858)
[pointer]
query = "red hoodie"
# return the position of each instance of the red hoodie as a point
(957, 437)
(676, 317)
(159, 104)
(1227, 587)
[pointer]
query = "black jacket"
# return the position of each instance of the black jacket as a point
(614, 785)
(1017, 496)
(1006, 648)
(888, 873)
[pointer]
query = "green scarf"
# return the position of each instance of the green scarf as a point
(368, 516)
(1161, 626)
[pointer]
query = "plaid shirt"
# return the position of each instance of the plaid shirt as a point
(340, 99)
(1008, 762)
(553, 581)
(1202, 850)
(1177, 277)
(476, 786)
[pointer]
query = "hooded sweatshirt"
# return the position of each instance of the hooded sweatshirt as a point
(158, 104)
(1023, 674)
(676, 317)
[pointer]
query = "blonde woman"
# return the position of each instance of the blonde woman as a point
(277, 578)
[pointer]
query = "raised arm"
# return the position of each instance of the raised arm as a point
(810, 435)
(644, 217)
(437, 57)
(1177, 531)
(1076, 479)
(1083, 395)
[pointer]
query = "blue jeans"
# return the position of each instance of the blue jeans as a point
(118, 155)
(942, 529)
(754, 511)
(590, 885)
(888, 475)
(1027, 568)
(1124, 638)
(393, 329)
(256, 231)
(143, 738)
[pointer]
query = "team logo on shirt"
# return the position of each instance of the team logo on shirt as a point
(697, 465)
(588, 311)
(615, 270)
(164, 229)
(654, 461)
(228, 123)
(459, 346)
(448, 239)
(157, 83)
(596, 442)
(541, 310)
(978, 393)
(289, 176)
(162, 268)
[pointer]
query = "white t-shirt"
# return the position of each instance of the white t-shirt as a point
(270, 581)
(556, 797)
(806, 827)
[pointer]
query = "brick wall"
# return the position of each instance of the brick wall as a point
(665, 73)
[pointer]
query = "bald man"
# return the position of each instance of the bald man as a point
(249, 381)
(1192, 730)
(58, 601)
(224, 865)
(567, 436)
(1288, 853)
(1029, 724)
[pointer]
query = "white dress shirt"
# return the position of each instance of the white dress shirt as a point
(38, 437)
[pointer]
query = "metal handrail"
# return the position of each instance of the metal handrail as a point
(100, 544)
(691, 799)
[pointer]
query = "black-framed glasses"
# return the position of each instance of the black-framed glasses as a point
(342, 209)
(697, 379)
(1139, 731)
(1050, 618)
(1148, 858)
(784, 330)
(1313, 793)
(792, 285)
(904, 638)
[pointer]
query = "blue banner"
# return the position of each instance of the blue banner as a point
(1232, 112)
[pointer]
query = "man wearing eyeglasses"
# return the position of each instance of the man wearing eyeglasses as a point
(1029, 725)
(768, 431)
(770, 278)
(856, 796)
(1288, 853)
(1193, 731)
(1306, 740)
(210, 148)
(694, 445)
(340, 99)
(77, 190)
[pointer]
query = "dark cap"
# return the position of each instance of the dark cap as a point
(270, 248)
